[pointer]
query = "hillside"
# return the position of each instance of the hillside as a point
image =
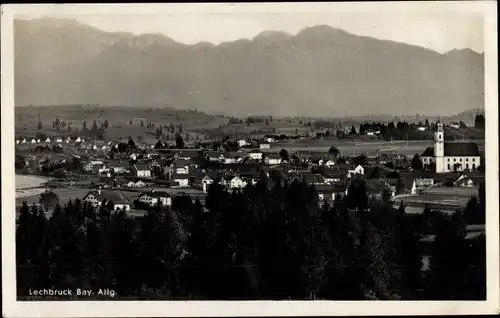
(321, 71)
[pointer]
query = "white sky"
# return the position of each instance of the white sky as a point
(441, 26)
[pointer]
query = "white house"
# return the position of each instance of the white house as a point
(138, 184)
(181, 179)
(329, 163)
(17, 142)
(96, 198)
(273, 159)
(33, 141)
(454, 125)
(422, 128)
(38, 140)
(78, 139)
(206, 182)
(141, 170)
(358, 170)
(237, 182)
(370, 133)
(255, 154)
(420, 184)
(153, 197)
(47, 140)
(464, 181)
(242, 142)
(451, 156)
(270, 139)
(265, 146)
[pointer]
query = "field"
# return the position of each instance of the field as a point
(65, 194)
(350, 147)
(24, 183)
(119, 120)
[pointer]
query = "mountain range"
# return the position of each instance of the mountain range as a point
(320, 71)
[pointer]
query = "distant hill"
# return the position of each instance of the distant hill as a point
(321, 71)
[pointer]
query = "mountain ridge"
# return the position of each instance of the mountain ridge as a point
(320, 70)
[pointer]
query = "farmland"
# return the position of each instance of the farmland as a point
(123, 121)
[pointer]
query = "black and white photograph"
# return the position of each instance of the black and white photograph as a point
(272, 156)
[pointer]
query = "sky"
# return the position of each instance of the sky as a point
(439, 26)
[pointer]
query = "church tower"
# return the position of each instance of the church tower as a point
(439, 148)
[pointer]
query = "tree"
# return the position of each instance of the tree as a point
(426, 122)
(353, 131)
(142, 123)
(39, 126)
(48, 199)
(179, 143)
(94, 126)
(334, 151)
(84, 126)
(131, 143)
(284, 155)
(479, 121)
(416, 163)
(106, 124)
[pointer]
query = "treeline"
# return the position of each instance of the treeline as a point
(264, 242)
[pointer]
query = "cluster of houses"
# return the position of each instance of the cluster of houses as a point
(199, 169)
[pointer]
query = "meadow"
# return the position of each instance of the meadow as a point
(123, 121)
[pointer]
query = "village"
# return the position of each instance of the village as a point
(134, 176)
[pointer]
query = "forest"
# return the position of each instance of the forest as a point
(270, 241)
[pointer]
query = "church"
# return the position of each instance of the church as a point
(451, 156)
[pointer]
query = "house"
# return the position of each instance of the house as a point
(141, 170)
(422, 128)
(23, 141)
(47, 140)
(451, 156)
(182, 166)
(17, 142)
(232, 158)
(272, 159)
(265, 146)
(153, 198)
(78, 139)
(138, 184)
(96, 198)
(214, 156)
(329, 163)
(120, 167)
(330, 192)
(313, 178)
(186, 155)
(255, 154)
(181, 179)
(236, 183)
(59, 139)
(33, 141)
(358, 170)
(206, 182)
(169, 169)
(454, 125)
(270, 139)
(242, 142)
(465, 181)
(370, 133)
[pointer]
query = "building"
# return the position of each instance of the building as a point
(121, 167)
(141, 170)
(96, 198)
(451, 156)
(255, 154)
(181, 179)
(272, 159)
(454, 125)
(153, 198)
(138, 184)
(358, 170)
(330, 192)
(236, 183)
(206, 182)
(265, 146)
(242, 142)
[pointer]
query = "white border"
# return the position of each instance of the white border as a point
(13, 308)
